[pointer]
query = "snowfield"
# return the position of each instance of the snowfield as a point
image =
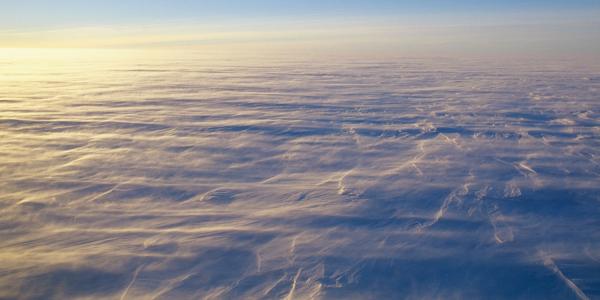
(190, 178)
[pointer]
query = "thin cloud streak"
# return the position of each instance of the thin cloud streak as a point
(361, 36)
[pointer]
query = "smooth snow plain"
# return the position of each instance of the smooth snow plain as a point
(195, 178)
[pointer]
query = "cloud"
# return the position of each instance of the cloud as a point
(362, 36)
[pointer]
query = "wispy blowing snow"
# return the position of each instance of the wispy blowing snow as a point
(222, 179)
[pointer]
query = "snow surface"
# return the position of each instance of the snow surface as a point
(189, 178)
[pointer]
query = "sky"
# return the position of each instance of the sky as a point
(429, 26)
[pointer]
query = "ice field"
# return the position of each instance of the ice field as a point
(204, 178)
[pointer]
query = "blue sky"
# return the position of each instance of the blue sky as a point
(18, 14)
(426, 26)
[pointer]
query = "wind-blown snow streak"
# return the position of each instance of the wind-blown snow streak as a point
(224, 179)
